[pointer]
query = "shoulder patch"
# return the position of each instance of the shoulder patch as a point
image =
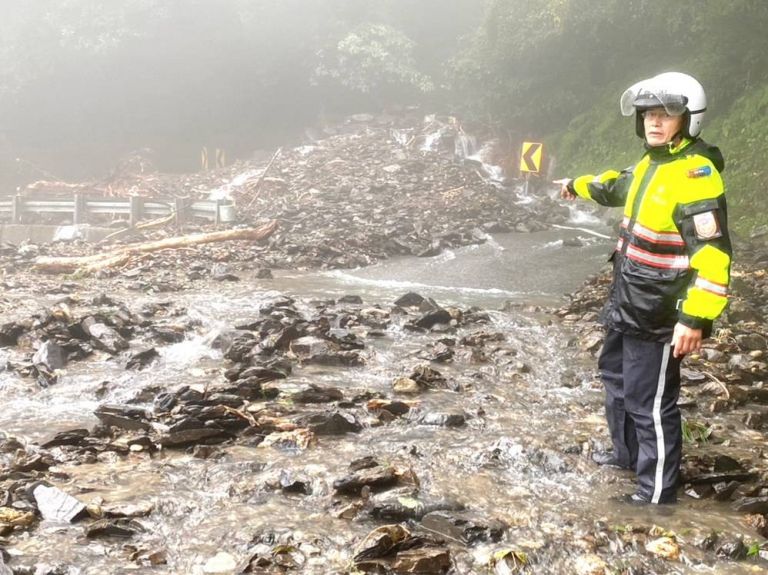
(707, 226)
(701, 172)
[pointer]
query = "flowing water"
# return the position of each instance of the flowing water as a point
(507, 462)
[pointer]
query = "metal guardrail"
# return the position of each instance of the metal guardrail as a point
(80, 208)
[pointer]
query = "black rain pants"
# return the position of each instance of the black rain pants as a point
(642, 385)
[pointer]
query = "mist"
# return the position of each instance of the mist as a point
(86, 83)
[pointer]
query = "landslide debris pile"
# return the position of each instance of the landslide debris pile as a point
(374, 191)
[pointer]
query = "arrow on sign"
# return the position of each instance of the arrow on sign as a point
(531, 158)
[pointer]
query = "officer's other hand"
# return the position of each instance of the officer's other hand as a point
(565, 193)
(685, 340)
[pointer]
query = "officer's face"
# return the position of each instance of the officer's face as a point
(660, 127)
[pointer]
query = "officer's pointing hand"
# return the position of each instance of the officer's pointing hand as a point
(565, 193)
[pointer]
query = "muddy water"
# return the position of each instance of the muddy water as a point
(509, 462)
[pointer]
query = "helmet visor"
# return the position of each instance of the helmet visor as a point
(643, 99)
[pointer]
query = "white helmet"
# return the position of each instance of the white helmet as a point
(679, 94)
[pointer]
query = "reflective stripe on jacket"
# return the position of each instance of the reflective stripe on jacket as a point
(672, 261)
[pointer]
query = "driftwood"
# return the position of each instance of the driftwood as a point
(119, 256)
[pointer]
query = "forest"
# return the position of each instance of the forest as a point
(83, 82)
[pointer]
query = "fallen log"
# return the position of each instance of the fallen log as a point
(118, 256)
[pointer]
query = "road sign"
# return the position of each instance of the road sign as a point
(530, 157)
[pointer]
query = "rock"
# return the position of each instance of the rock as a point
(104, 337)
(264, 274)
(410, 299)
(443, 419)
(351, 300)
(71, 437)
(10, 333)
(316, 394)
(393, 506)
(119, 510)
(332, 423)
(121, 528)
(55, 505)
(310, 345)
(751, 342)
(406, 385)
(380, 542)
(340, 358)
(290, 483)
(720, 477)
(732, 550)
(50, 355)
(185, 437)
(4, 569)
(220, 564)
(376, 478)
(395, 408)
(426, 560)
(427, 377)
(466, 527)
(665, 547)
(756, 420)
(752, 504)
(142, 358)
(726, 463)
(725, 490)
(10, 517)
(759, 523)
(123, 416)
(432, 318)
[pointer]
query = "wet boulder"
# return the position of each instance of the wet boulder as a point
(443, 419)
(380, 542)
(104, 337)
(330, 423)
(316, 394)
(241, 347)
(410, 299)
(752, 504)
(466, 527)
(393, 506)
(51, 355)
(428, 378)
(432, 318)
(55, 505)
(142, 358)
(113, 528)
(424, 560)
(339, 358)
(375, 478)
(10, 333)
(310, 345)
(124, 417)
(73, 437)
(183, 436)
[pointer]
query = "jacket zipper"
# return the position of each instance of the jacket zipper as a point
(641, 189)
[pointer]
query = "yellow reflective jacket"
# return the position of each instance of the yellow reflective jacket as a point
(672, 262)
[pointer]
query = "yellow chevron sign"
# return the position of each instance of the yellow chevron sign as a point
(530, 157)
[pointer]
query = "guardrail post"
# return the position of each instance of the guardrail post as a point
(181, 212)
(18, 206)
(136, 208)
(79, 216)
(217, 216)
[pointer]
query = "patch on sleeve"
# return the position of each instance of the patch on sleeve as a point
(706, 225)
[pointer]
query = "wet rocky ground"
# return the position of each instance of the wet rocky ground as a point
(369, 193)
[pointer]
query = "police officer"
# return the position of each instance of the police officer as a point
(671, 270)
